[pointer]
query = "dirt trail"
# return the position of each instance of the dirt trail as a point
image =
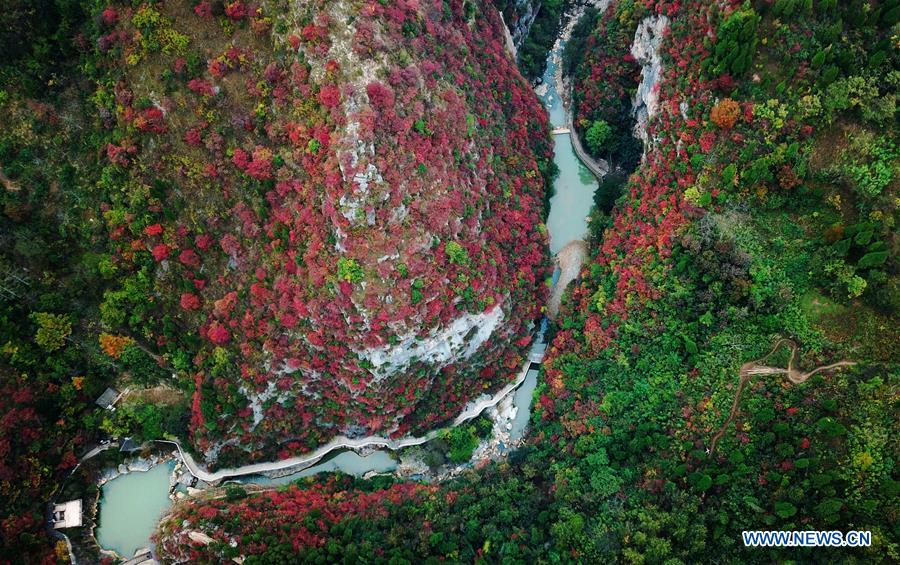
(569, 259)
(755, 368)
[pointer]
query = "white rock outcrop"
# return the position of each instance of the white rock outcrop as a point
(440, 348)
(510, 42)
(645, 50)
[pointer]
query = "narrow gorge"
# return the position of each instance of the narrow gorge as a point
(428, 281)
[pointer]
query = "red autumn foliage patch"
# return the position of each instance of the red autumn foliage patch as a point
(160, 251)
(190, 301)
(310, 211)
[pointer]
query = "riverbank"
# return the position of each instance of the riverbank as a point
(599, 167)
(143, 502)
(569, 259)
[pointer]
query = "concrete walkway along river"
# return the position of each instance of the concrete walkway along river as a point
(473, 410)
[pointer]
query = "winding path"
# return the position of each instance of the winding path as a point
(599, 168)
(755, 368)
(296, 464)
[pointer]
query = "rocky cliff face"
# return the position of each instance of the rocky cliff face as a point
(518, 15)
(645, 50)
(336, 203)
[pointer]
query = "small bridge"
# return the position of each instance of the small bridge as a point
(560, 130)
(537, 351)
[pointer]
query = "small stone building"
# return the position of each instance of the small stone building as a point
(108, 398)
(67, 514)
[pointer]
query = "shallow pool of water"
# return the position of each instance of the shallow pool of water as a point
(130, 507)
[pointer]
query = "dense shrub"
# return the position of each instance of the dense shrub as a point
(736, 40)
(725, 113)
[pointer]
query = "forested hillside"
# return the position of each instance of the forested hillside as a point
(728, 360)
(271, 222)
(334, 210)
(278, 222)
(51, 243)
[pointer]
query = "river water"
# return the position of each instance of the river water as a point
(132, 504)
(522, 401)
(573, 190)
(348, 462)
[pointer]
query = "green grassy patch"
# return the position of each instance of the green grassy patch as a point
(816, 306)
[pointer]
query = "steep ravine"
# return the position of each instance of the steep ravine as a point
(518, 15)
(572, 259)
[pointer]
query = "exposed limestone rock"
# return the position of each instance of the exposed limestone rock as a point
(645, 49)
(443, 347)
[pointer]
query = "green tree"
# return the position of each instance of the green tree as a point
(53, 329)
(597, 136)
(456, 253)
(463, 442)
(349, 270)
(736, 41)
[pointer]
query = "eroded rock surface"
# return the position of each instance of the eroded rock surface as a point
(645, 50)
